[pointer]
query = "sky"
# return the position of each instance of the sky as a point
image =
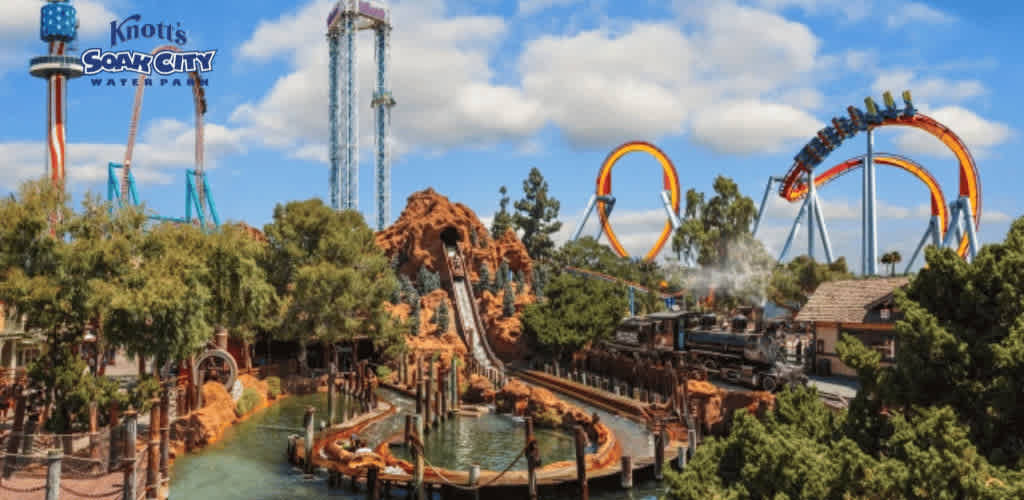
(487, 89)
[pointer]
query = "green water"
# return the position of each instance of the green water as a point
(249, 462)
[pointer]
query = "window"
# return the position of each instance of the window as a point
(820, 346)
(884, 313)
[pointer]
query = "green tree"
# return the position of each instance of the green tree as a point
(503, 220)
(537, 216)
(508, 301)
(332, 276)
(414, 319)
(793, 283)
(575, 311)
(443, 320)
(427, 281)
(891, 259)
(241, 298)
(485, 279)
(710, 229)
(500, 277)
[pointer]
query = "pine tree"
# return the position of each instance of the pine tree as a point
(414, 319)
(502, 278)
(442, 317)
(508, 301)
(503, 220)
(485, 279)
(427, 281)
(433, 317)
(537, 216)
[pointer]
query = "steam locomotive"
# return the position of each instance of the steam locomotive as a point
(736, 350)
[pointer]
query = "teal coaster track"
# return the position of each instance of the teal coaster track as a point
(192, 199)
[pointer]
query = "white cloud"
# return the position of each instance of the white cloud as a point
(851, 10)
(19, 20)
(166, 147)
(915, 12)
(636, 230)
(528, 7)
(977, 133)
(927, 89)
(994, 216)
(440, 74)
(752, 126)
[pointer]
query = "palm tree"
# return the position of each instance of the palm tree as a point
(891, 258)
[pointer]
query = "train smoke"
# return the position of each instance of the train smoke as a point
(743, 276)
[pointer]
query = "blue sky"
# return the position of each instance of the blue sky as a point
(487, 89)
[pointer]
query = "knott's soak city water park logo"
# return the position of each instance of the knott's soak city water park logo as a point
(165, 60)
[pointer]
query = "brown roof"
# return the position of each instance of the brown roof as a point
(847, 301)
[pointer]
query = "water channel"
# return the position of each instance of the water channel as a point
(248, 463)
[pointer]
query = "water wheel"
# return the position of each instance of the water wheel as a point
(216, 365)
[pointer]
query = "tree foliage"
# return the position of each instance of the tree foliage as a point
(710, 227)
(508, 301)
(793, 283)
(575, 311)
(537, 216)
(891, 259)
(331, 274)
(503, 220)
(241, 298)
(427, 281)
(443, 317)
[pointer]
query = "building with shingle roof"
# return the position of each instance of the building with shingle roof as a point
(862, 308)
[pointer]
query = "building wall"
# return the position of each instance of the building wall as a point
(828, 337)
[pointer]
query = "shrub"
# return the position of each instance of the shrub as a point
(248, 402)
(549, 418)
(508, 301)
(383, 372)
(273, 387)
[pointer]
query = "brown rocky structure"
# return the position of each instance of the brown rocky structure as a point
(546, 409)
(417, 238)
(715, 407)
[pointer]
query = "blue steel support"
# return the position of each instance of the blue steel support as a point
(972, 235)
(583, 220)
(332, 119)
(870, 217)
(383, 101)
(932, 232)
(632, 306)
(351, 163)
(954, 221)
(764, 203)
(673, 217)
(812, 198)
(826, 242)
(610, 204)
(795, 229)
(209, 201)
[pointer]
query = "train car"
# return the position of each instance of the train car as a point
(735, 350)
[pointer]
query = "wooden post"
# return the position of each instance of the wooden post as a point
(691, 442)
(94, 436)
(419, 397)
(153, 464)
(372, 483)
(53, 474)
(130, 429)
(659, 451)
(474, 478)
(308, 423)
(442, 396)
(407, 436)
(332, 396)
(455, 384)
(627, 472)
(681, 458)
(14, 441)
(165, 430)
(428, 404)
(581, 461)
(418, 460)
(531, 465)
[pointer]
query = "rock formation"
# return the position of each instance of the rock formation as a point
(716, 406)
(417, 240)
(545, 409)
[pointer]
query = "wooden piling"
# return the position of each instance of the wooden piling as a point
(427, 405)
(531, 463)
(332, 396)
(455, 385)
(372, 483)
(443, 397)
(308, 424)
(627, 472)
(130, 430)
(659, 451)
(419, 397)
(153, 464)
(408, 431)
(474, 479)
(418, 490)
(681, 458)
(581, 461)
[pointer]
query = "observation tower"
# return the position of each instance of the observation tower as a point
(58, 27)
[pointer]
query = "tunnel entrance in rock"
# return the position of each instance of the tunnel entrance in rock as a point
(450, 236)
